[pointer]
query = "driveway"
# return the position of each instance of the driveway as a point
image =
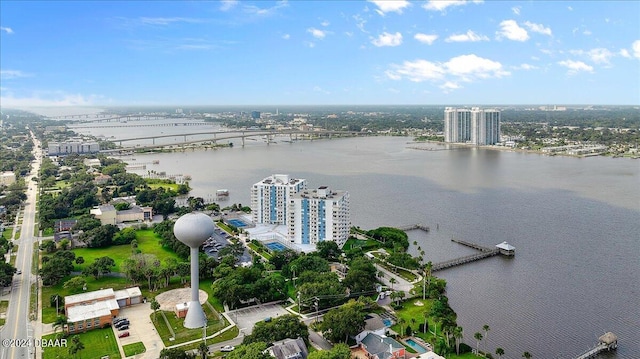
(246, 318)
(141, 330)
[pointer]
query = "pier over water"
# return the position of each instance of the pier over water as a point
(606, 342)
(484, 252)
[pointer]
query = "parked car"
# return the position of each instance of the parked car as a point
(119, 320)
(227, 348)
(124, 327)
(122, 324)
(18, 271)
(123, 335)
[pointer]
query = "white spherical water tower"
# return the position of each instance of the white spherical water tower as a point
(193, 229)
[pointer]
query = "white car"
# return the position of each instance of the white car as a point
(227, 348)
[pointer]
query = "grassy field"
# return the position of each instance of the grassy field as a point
(49, 313)
(6, 234)
(228, 335)
(215, 323)
(4, 304)
(171, 186)
(97, 343)
(148, 243)
(260, 250)
(133, 349)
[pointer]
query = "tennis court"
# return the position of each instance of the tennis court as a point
(236, 223)
(275, 246)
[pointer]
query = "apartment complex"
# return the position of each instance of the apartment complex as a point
(477, 126)
(69, 147)
(270, 198)
(319, 215)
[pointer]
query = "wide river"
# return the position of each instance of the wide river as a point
(574, 221)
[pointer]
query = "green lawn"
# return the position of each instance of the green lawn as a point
(148, 243)
(49, 313)
(215, 323)
(133, 349)
(4, 304)
(7, 233)
(367, 245)
(205, 285)
(171, 186)
(228, 335)
(260, 251)
(97, 343)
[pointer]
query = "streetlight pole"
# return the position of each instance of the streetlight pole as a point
(315, 302)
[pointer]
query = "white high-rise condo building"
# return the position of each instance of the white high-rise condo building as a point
(485, 126)
(477, 126)
(319, 215)
(457, 124)
(270, 198)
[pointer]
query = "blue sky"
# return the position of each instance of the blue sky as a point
(319, 52)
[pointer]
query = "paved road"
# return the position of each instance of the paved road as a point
(17, 323)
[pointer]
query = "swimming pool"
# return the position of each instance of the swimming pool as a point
(417, 347)
(275, 246)
(236, 223)
(387, 322)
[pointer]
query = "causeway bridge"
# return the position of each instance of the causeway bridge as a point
(268, 135)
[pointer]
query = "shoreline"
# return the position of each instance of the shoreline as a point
(520, 150)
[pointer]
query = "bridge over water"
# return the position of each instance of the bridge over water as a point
(226, 135)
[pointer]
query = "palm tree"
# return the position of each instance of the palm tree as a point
(457, 335)
(60, 322)
(76, 345)
(478, 337)
(203, 349)
(155, 306)
(425, 314)
(486, 329)
(526, 355)
(401, 321)
(499, 352)
(392, 281)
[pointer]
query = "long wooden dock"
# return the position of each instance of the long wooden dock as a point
(414, 226)
(484, 253)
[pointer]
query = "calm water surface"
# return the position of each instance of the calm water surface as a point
(575, 223)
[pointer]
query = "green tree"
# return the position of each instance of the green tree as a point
(203, 349)
(75, 284)
(75, 346)
(328, 250)
(527, 355)
(60, 323)
(253, 351)
(155, 306)
(175, 353)
(343, 322)
(282, 327)
(499, 352)
(478, 338)
(457, 335)
(485, 329)
(6, 273)
(339, 351)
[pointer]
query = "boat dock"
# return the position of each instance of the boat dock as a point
(485, 252)
(414, 226)
(606, 342)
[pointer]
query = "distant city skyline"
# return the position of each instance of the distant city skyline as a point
(252, 53)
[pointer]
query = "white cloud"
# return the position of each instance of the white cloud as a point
(470, 36)
(317, 33)
(228, 4)
(8, 30)
(625, 53)
(442, 5)
(539, 28)
(636, 49)
(525, 67)
(586, 32)
(388, 39)
(470, 67)
(12, 74)
(516, 10)
(425, 38)
(511, 30)
(466, 68)
(50, 99)
(255, 10)
(600, 55)
(416, 71)
(385, 6)
(286, 36)
(569, 8)
(310, 44)
(325, 23)
(168, 20)
(575, 66)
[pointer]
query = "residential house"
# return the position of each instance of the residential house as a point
(289, 349)
(381, 347)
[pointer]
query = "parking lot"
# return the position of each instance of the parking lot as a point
(246, 318)
(141, 329)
